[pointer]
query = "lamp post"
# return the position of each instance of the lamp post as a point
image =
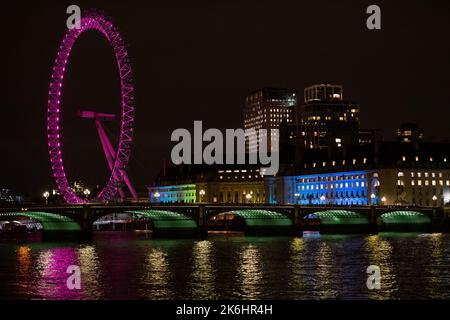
(434, 200)
(86, 192)
(383, 200)
(322, 199)
(248, 196)
(297, 197)
(372, 198)
(46, 194)
(156, 195)
(202, 194)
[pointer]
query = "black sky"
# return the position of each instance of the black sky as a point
(196, 60)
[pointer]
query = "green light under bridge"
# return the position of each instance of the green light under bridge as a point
(405, 217)
(165, 219)
(49, 221)
(263, 218)
(330, 217)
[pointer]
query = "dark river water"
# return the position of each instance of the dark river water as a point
(121, 265)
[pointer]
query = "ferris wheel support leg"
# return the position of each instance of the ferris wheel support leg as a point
(112, 155)
(108, 155)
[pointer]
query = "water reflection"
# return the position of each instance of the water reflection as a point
(90, 272)
(52, 266)
(157, 275)
(296, 282)
(24, 260)
(379, 251)
(325, 272)
(120, 266)
(203, 274)
(249, 273)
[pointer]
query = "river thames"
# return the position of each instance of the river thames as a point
(126, 265)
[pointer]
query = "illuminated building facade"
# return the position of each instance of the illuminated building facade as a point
(389, 173)
(385, 173)
(417, 187)
(373, 187)
(210, 184)
(267, 109)
(339, 188)
(182, 193)
(326, 120)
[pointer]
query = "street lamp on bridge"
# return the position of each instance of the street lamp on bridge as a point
(156, 195)
(46, 195)
(86, 192)
(434, 200)
(201, 193)
(322, 198)
(297, 197)
(372, 198)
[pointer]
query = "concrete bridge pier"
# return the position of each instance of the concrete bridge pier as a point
(440, 220)
(298, 220)
(202, 222)
(84, 233)
(373, 221)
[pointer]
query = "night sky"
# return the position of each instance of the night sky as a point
(197, 61)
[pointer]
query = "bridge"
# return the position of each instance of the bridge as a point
(194, 220)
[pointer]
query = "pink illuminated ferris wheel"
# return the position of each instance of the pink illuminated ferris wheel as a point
(91, 20)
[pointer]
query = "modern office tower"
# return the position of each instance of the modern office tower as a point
(327, 121)
(323, 92)
(268, 108)
(409, 133)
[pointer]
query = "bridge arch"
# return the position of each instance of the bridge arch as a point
(165, 222)
(339, 217)
(255, 221)
(405, 217)
(49, 221)
(336, 221)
